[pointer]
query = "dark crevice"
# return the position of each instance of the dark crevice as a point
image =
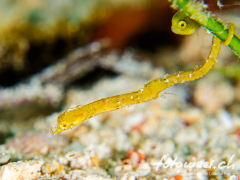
(152, 41)
(87, 81)
(38, 57)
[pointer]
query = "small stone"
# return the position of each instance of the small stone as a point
(120, 170)
(83, 175)
(201, 176)
(187, 136)
(168, 147)
(192, 115)
(4, 158)
(225, 118)
(128, 176)
(21, 170)
(50, 167)
(233, 177)
(134, 120)
(213, 95)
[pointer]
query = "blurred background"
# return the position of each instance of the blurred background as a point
(58, 54)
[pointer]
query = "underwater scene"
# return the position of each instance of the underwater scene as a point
(119, 90)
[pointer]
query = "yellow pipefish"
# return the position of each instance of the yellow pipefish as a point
(151, 90)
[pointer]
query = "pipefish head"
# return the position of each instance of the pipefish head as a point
(182, 24)
(67, 120)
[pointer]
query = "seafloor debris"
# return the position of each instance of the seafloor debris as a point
(36, 143)
(213, 93)
(46, 87)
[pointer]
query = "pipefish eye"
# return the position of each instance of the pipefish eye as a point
(182, 24)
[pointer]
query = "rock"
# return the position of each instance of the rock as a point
(213, 95)
(186, 136)
(21, 170)
(192, 115)
(4, 158)
(225, 119)
(51, 167)
(83, 175)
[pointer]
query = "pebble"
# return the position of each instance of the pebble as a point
(233, 177)
(120, 170)
(192, 115)
(36, 143)
(4, 158)
(201, 176)
(128, 176)
(213, 95)
(21, 170)
(50, 167)
(187, 136)
(225, 118)
(168, 147)
(134, 120)
(83, 175)
(143, 171)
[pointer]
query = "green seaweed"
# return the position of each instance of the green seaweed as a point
(213, 24)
